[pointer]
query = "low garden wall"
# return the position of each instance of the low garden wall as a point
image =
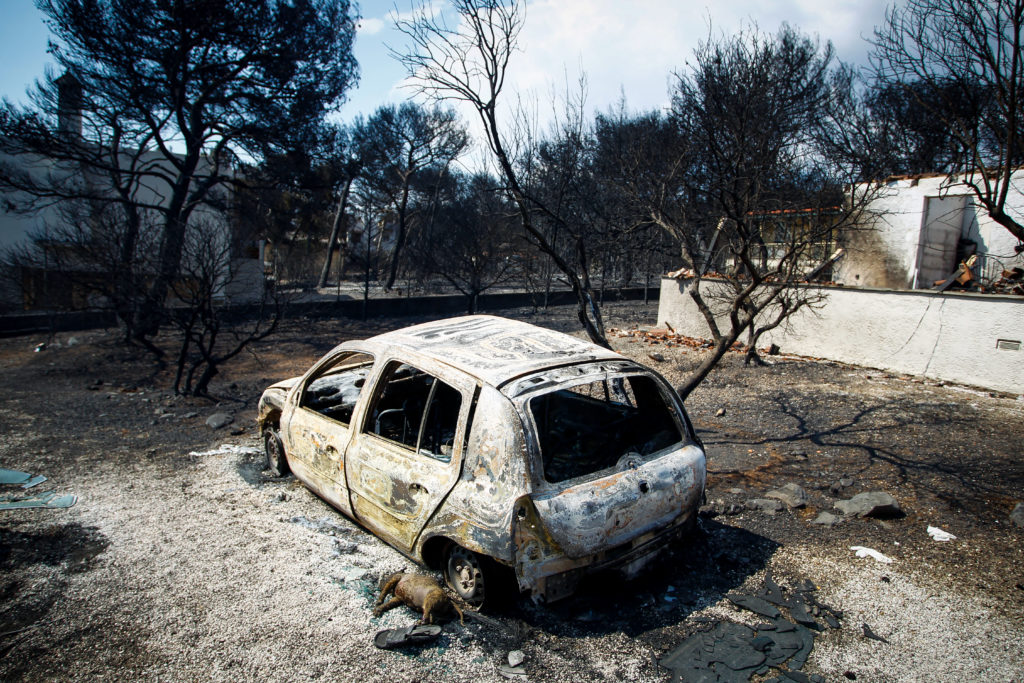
(974, 339)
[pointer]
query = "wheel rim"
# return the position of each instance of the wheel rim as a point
(465, 575)
(272, 446)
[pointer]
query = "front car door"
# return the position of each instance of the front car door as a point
(319, 429)
(406, 456)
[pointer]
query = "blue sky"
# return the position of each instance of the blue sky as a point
(625, 47)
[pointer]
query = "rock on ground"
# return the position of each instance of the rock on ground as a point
(871, 504)
(791, 494)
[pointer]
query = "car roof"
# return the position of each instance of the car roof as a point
(493, 349)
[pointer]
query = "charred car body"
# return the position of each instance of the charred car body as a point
(476, 443)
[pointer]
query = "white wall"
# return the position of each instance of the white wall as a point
(915, 222)
(16, 227)
(946, 336)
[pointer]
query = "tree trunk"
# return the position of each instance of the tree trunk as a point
(335, 229)
(151, 310)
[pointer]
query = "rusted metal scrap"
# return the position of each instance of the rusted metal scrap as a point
(477, 443)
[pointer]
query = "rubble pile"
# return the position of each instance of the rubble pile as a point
(670, 338)
(965, 278)
(1010, 282)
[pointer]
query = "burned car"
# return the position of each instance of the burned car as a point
(481, 446)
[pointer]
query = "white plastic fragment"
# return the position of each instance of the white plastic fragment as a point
(871, 552)
(940, 535)
(227, 449)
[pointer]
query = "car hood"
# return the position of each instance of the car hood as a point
(285, 384)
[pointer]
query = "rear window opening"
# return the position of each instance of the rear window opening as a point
(592, 427)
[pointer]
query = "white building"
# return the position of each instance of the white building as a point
(923, 227)
(53, 226)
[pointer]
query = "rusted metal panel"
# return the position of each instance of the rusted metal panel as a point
(478, 511)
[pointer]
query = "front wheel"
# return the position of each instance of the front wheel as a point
(273, 449)
(465, 573)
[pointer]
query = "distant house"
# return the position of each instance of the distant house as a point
(923, 227)
(61, 275)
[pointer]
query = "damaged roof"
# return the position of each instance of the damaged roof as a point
(493, 349)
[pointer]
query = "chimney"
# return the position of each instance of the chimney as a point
(69, 106)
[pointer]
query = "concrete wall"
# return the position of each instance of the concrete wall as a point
(953, 337)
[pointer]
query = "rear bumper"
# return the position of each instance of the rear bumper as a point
(555, 578)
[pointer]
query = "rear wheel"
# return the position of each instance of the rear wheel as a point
(466, 574)
(273, 449)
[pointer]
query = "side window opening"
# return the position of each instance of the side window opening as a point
(591, 427)
(335, 392)
(416, 410)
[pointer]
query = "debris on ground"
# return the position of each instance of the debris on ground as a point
(25, 481)
(22, 479)
(826, 519)
(514, 670)
(734, 652)
(49, 500)
(940, 535)
(767, 505)
(863, 551)
(871, 504)
(868, 633)
(417, 634)
(1017, 516)
(219, 420)
(227, 449)
(793, 495)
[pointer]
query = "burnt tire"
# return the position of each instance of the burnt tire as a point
(467, 573)
(273, 450)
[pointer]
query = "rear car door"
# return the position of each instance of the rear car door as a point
(406, 456)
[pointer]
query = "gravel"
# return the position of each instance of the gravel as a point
(182, 561)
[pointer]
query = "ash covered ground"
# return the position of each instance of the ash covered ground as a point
(182, 561)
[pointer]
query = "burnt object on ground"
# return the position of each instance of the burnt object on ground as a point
(733, 652)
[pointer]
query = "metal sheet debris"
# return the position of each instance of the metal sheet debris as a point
(25, 480)
(731, 652)
(940, 535)
(49, 500)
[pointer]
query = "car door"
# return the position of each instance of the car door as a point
(405, 458)
(319, 429)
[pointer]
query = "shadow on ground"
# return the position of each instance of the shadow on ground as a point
(696, 572)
